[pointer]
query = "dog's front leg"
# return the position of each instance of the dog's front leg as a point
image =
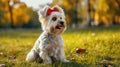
(31, 56)
(61, 55)
(45, 57)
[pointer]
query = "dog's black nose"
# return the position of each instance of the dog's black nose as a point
(61, 22)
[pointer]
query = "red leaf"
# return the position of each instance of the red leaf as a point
(80, 51)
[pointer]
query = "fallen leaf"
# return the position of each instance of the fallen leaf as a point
(12, 57)
(13, 51)
(80, 51)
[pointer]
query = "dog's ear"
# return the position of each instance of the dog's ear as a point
(42, 12)
(59, 8)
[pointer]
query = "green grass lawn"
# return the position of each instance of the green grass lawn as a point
(101, 44)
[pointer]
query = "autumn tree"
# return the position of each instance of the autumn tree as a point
(108, 12)
(14, 13)
(4, 15)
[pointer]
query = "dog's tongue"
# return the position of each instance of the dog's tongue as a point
(59, 27)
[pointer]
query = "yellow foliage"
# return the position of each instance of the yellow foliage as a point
(117, 19)
(5, 8)
(104, 19)
(20, 16)
(68, 19)
(7, 15)
(26, 18)
(66, 4)
(96, 17)
(103, 6)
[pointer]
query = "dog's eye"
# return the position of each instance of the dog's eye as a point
(54, 18)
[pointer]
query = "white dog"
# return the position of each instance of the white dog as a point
(50, 44)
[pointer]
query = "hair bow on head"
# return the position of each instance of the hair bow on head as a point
(49, 11)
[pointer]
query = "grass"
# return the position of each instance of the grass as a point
(100, 43)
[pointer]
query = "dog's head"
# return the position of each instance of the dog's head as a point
(52, 19)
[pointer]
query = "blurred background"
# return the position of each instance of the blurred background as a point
(79, 13)
(92, 39)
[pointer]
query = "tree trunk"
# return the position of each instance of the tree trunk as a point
(89, 13)
(11, 14)
(76, 12)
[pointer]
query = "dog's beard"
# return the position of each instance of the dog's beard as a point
(58, 29)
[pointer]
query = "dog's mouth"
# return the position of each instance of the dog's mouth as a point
(59, 26)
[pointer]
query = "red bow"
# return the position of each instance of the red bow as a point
(49, 11)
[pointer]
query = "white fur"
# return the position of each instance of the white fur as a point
(50, 42)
